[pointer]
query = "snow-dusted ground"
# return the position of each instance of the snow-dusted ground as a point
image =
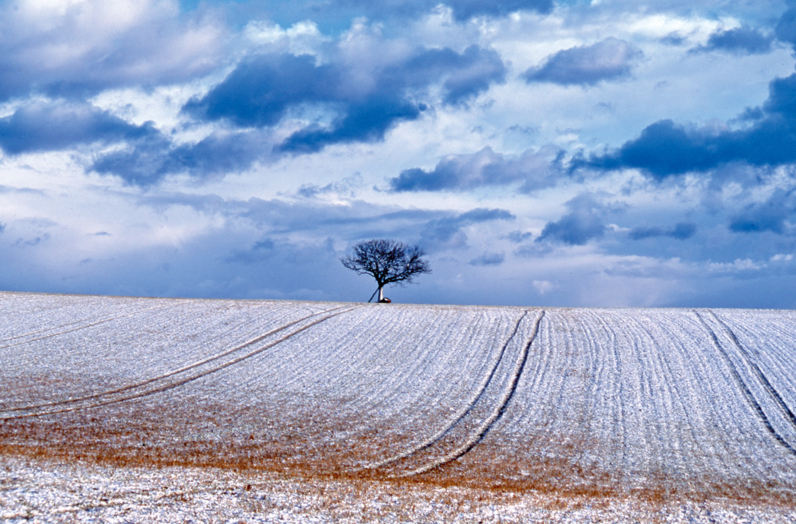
(436, 411)
(36, 492)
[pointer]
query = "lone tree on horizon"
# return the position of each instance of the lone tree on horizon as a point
(388, 261)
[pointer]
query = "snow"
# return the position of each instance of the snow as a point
(684, 411)
(72, 492)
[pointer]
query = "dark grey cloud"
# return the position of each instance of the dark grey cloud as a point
(663, 149)
(462, 9)
(584, 222)
(533, 170)
(680, 231)
(772, 215)
(259, 252)
(364, 122)
(674, 39)
(263, 89)
(48, 126)
(465, 74)
(345, 187)
(742, 40)
(147, 161)
(140, 163)
(447, 232)
(434, 229)
(666, 148)
(30, 242)
(519, 237)
(488, 259)
(358, 220)
(786, 27)
(609, 59)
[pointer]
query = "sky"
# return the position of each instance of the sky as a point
(607, 153)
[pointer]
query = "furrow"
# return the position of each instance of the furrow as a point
(459, 416)
(172, 385)
(42, 313)
(744, 387)
(423, 363)
(676, 393)
(622, 435)
(768, 337)
(165, 375)
(784, 408)
(67, 331)
(493, 418)
(715, 421)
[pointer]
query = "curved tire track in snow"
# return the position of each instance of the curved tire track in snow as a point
(543, 384)
(745, 387)
(458, 417)
(496, 414)
(774, 394)
(37, 408)
(768, 337)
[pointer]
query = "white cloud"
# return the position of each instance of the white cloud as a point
(543, 286)
(93, 44)
(298, 39)
(736, 265)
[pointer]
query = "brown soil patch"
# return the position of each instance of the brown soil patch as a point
(138, 435)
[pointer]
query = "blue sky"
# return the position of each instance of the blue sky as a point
(542, 152)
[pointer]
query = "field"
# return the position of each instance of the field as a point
(275, 410)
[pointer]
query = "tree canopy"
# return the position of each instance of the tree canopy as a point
(387, 261)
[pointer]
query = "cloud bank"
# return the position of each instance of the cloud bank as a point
(666, 148)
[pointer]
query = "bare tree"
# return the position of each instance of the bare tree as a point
(388, 261)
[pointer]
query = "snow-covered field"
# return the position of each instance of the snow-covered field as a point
(339, 411)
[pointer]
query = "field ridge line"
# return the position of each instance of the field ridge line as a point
(473, 441)
(461, 413)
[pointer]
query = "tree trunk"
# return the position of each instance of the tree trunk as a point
(381, 294)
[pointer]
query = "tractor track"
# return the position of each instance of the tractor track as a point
(459, 416)
(784, 408)
(485, 426)
(744, 386)
(129, 392)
